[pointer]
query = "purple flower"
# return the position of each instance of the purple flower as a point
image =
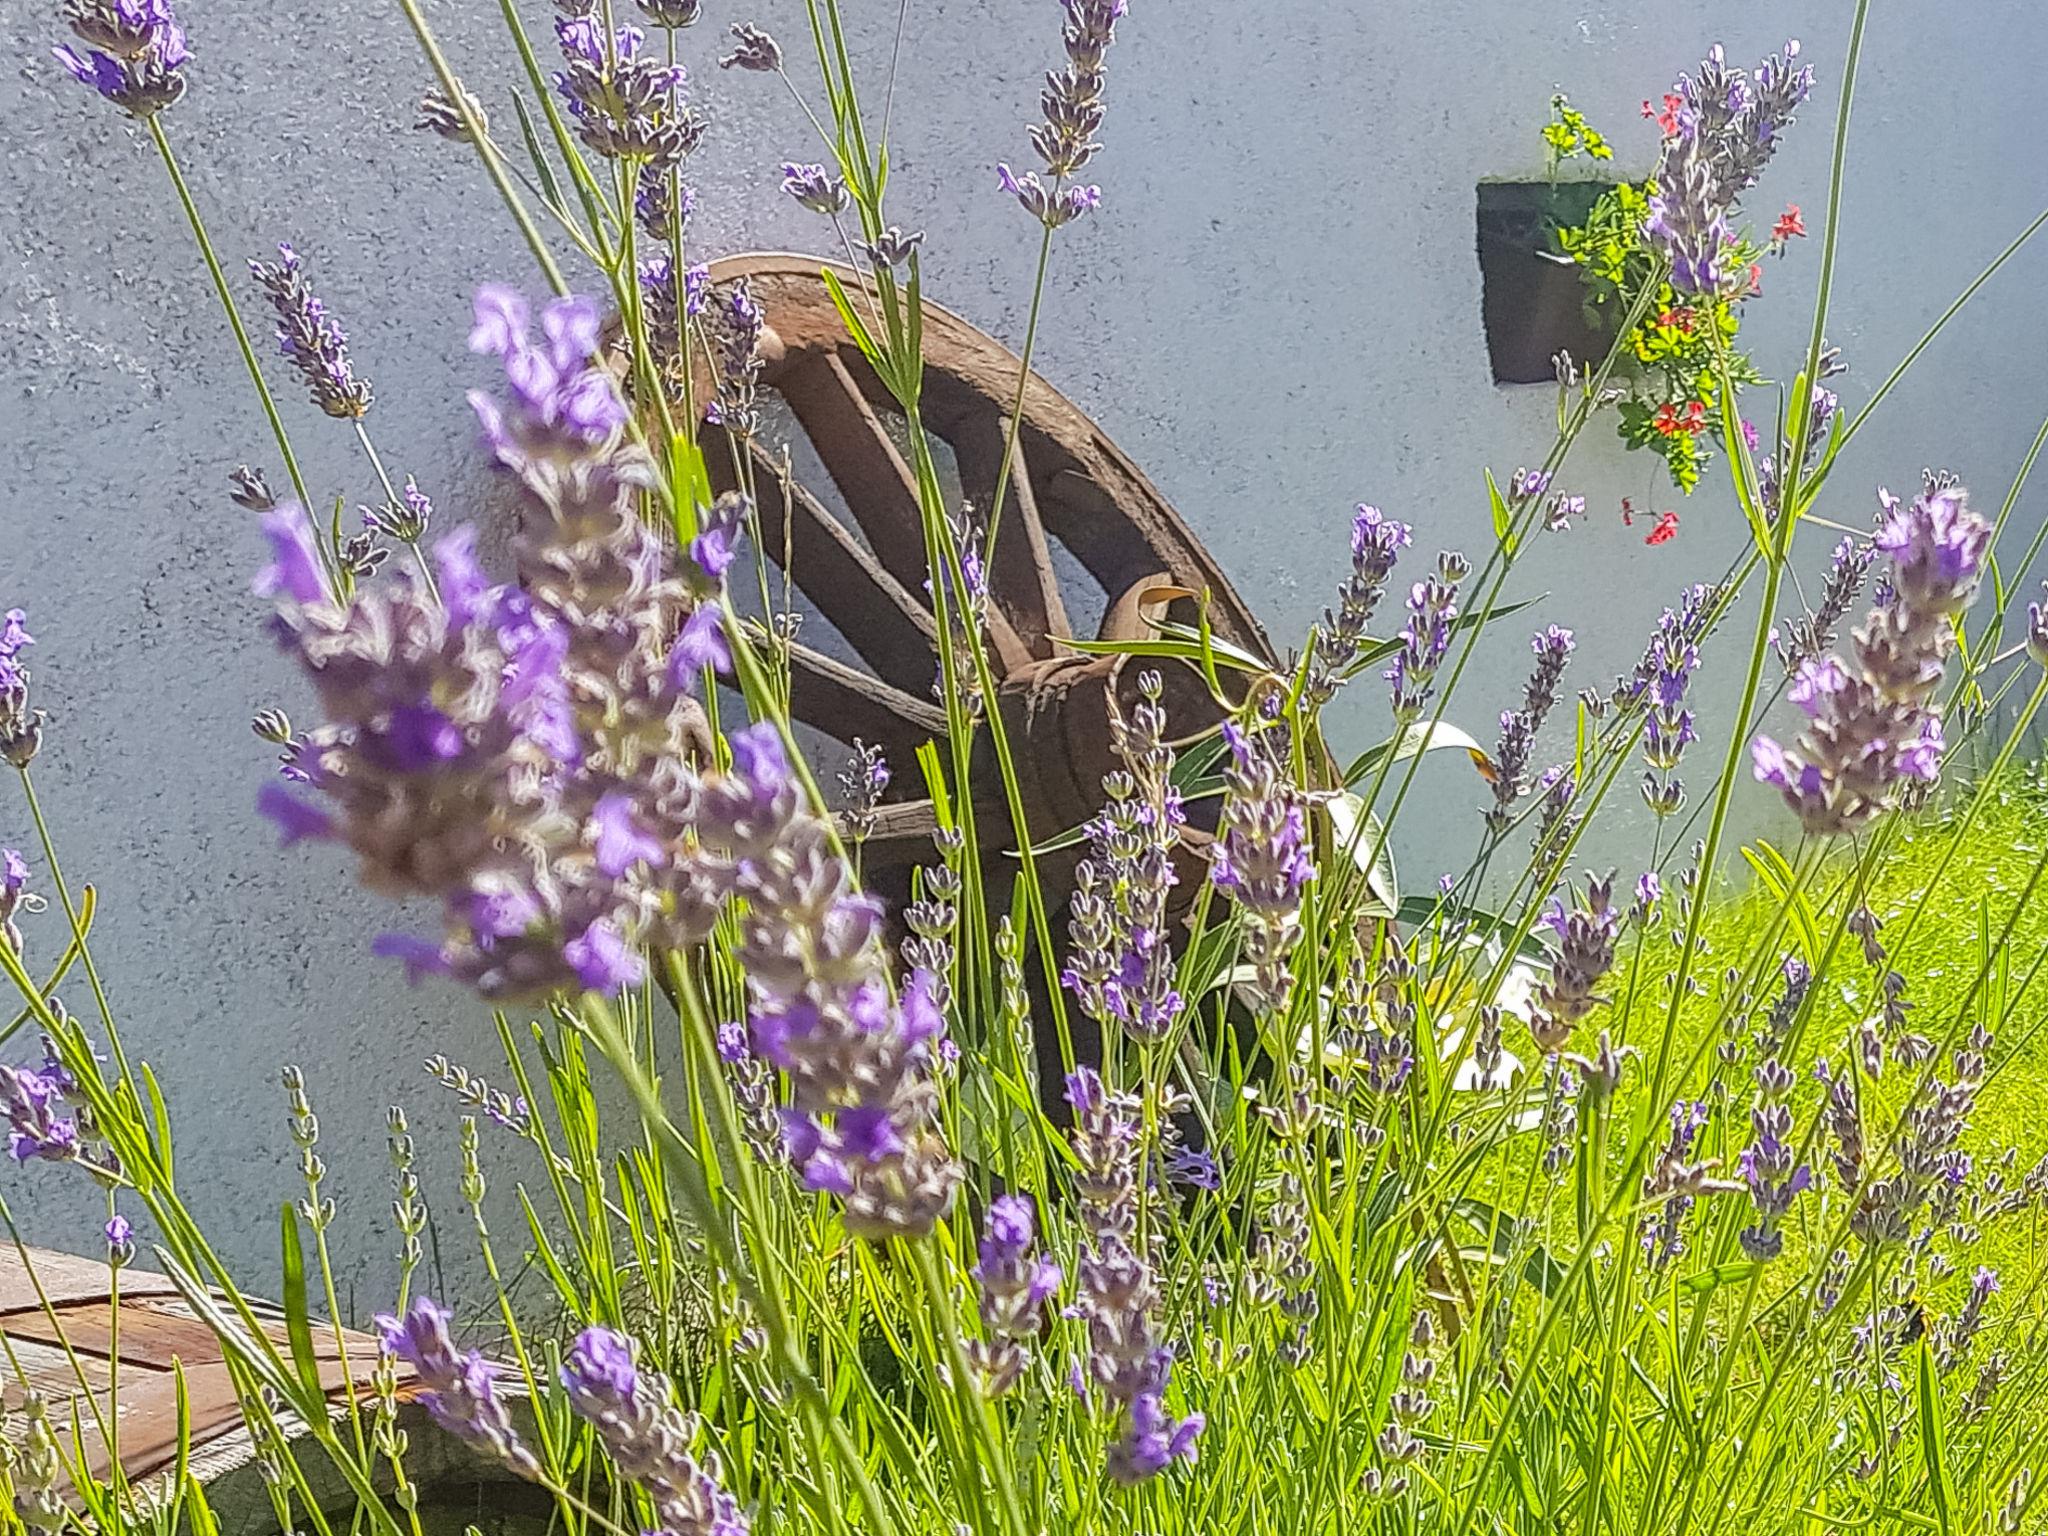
(892, 248)
(120, 1241)
(135, 50)
(1426, 638)
(620, 841)
(603, 961)
(1376, 542)
(310, 338)
(1563, 508)
(405, 520)
(1153, 1440)
(294, 573)
(626, 105)
(1873, 728)
(461, 1391)
(662, 202)
(646, 1439)
(1261, 859)
(421, 957)
(295, 820)
(753, 50)
(21, 728)
(1014, 1284)
(1518, 728)
(1725, 132)
(1670, 661)
(1051, 207)
(30, 1103)
(1120, 967)
(1586, 936)
(815, 188)
(1073, 97)
(1811, 636)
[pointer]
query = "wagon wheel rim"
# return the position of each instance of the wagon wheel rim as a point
(1068, 484)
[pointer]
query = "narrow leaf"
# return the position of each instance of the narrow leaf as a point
(298, 1329)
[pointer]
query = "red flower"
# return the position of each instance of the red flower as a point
(1788, 227)
(1666, 529)
(1681, 319)
(1756, 278)
(1671, 421)
(1667, 120)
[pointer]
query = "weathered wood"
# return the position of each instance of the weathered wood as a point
(57, 1316)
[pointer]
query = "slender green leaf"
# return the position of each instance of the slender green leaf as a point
(298, 1328)
(1503, 519)
(1933, 1441)
(855, 326)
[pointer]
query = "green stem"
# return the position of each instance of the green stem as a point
(228, 307)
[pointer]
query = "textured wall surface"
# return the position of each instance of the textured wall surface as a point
(1277, 315)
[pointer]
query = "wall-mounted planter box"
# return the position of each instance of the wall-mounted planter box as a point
(1534, 301)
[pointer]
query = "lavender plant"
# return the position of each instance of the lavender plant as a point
(1298, 1243)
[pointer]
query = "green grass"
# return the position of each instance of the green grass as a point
(1970, 879)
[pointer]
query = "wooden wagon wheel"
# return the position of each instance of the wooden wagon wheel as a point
(865, 573)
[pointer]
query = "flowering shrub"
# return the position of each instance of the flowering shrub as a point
(1506, 1207)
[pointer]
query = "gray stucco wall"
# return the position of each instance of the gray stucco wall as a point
(1277, 315)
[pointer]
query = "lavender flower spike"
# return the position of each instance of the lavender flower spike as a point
(1262, 858)
(1873, 729)
(310, 338)
(646, 1438)
(36, 1132)
(1668, 726)
(1518, 728)
(1426, 639)
(461, 1389)
(1586, 938)
(1376, 542)
(1153, 1440)
(1721, 138)
(1015, 1285)
(134, 52)
(15, 896)
(625, 103)
(21, 728)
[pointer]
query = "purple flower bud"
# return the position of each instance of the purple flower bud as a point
(311, 339)
(1376, 542)
(815, 188)
(135, 50)
(645, 1438)
(753, 50)
(1873, 728)
(460, 1390)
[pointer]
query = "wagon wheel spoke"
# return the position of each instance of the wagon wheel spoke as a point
(902, 836)
(1021, 578)
(847, 430)
(892, 631)
(847, 702)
